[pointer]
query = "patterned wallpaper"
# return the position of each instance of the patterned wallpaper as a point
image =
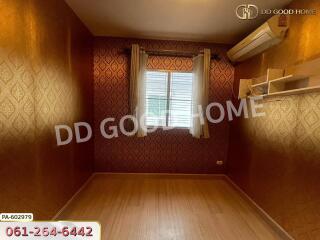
(172, 151)
(276, 159)
(45, 79)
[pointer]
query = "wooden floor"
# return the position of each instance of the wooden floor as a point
(166, 207)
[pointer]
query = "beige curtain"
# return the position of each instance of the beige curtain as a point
(200, 92)
(138, 87)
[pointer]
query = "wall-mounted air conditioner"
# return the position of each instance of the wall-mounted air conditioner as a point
(270, 33)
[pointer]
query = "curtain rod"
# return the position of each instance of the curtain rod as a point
(173, 53)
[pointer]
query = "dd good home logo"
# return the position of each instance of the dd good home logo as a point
(247, 11)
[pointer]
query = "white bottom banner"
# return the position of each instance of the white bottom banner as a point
(50, 230)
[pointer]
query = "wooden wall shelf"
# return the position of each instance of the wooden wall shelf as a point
(263, 84)
(298, 79)
(260, 89)
(291, 84)
(289, 78)
(296, 91)
(258, 86)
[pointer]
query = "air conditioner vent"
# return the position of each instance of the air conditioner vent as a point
(264, 37)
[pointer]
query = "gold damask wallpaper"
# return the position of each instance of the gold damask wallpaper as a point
(45, 79)
(276, 159)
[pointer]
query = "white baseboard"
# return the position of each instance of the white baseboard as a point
(266, 217)
(73, 197)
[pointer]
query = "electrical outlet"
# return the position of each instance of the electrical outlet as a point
(219, 163)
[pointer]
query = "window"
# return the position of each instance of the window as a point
(168, 99)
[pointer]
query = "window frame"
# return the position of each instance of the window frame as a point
(169, 72)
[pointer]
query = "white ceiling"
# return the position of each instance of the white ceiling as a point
(194, 20)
